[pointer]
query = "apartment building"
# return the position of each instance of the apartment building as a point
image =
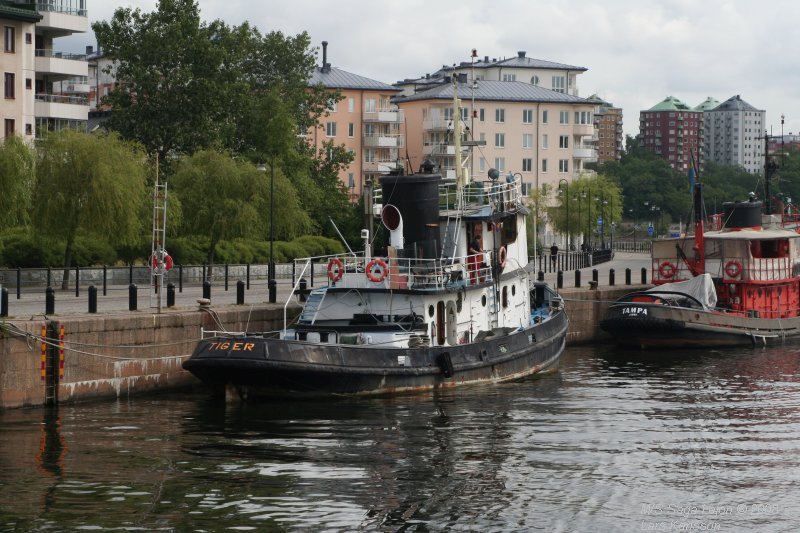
(44, 88)
(734, 134)
(672, 130)
(366, 122)
(516, 127)
(608, 124)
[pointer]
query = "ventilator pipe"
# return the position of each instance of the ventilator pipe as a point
(393, 221)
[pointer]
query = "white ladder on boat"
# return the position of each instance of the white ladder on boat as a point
(311, 306)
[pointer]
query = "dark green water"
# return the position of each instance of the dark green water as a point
(615, 441)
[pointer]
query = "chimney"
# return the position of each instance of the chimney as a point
(521, 54)
(462, 77)
(485, 59)
(89, 50)
(325, 66)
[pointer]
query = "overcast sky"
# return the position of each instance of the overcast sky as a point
(637, 52)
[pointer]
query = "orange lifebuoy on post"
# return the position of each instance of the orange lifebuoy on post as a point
(335, 269)
(733, 268)
(501, 256)
(666, 270)
(383, 270)
(167, 263)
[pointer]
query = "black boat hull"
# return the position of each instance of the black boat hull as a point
(638, 325)
(256, 366)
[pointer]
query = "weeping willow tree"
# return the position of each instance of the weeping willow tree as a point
(16, 181)
(88, 183)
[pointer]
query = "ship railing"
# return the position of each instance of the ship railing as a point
(359, 272)
(730, 269)
(500, 195)
(764, 269)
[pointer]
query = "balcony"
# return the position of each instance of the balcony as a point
(387, 116)
(60, 18)
(583, 129)
(66, 107)
(585, 152)
(61, 64)
(381, 166)
(438, 149)
(383, 140)
(437, 124)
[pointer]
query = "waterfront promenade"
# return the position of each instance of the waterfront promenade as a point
(31, 305)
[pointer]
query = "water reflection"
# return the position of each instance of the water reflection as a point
(613, 441)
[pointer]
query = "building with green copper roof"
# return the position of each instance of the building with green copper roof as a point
(673, 130)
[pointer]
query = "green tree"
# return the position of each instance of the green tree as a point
(222, 198)
(16, 181)
(89, 183)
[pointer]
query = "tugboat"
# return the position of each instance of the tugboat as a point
(737, 283)
(450, 302)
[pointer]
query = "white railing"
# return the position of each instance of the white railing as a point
(60, 99)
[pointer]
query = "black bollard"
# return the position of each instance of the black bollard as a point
(19, 283)
(560, 279)
(77, 282)
(170, 295)
(180, 278)
(92, 299)
(303, 288)
(627, 276)
(594, 275)
(248, 276)
(132, 297)
(240, 292)
(611, 277)
(577, 278)
(644, 276)
(540, 276)
(273, 291)
(3, 302)
(206, 289)
(49, 301)
(226, 277)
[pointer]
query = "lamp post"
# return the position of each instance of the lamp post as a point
(565, 198)
(271, 283)
(580, 218)
(635, 227)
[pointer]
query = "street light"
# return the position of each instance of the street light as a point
(580, 219)
(271, 283)
(566, 199)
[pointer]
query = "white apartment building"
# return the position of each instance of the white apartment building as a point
(543, 135)
(44, 88)
(734, 134)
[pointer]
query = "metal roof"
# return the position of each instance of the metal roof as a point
(518, 61)
(14, 11)
(508, 91)
(670, 103)
(334, 78)
(735, 103)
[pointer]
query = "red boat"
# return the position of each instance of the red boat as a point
(735, 283)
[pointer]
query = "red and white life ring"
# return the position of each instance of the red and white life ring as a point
(168, 263)
(335, 269)
(382, 270)
(666, 270)
(733, 268)
(501, 256)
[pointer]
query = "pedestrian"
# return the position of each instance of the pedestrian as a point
(554, 255)
(475, 255)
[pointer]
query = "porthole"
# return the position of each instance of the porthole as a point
(513, 290)
(483, 300)
(430, 311)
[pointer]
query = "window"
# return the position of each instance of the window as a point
(534, 80)
(544, 116)
(351, 104)
(369, 155)
(482, 164)
(527, 116)
(332, 105)
(28, 38)
(509, 77)
(500, 115)
(8, 80)
(544, 165)
(559, 84)
(351, 180)
(9, 129)
(563, 117)
(500, 140)
(330, 129)
(527, 164)
(351, 129)
(28, 83)
(481, 114)
(563, 165)
(563, 141)
(544, 140)
(28, 129)
(9, 39)
(500, 164)
(369, 105)
(527, 140)
(583, 117)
